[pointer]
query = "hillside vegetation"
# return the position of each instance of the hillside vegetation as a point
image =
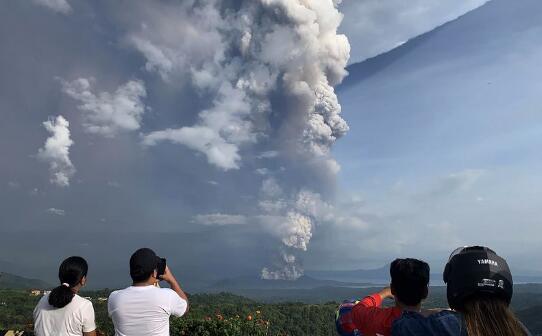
(8, 280)
(210, 314)
(226, 314)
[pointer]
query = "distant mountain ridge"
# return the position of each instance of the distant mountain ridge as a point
(11, 281)
(441, 39)
(304, 282)
(380, 276)
(376, 276)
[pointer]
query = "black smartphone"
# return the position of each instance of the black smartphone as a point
(161, 269)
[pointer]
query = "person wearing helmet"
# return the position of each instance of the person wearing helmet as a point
(367, 317)
(479, 290)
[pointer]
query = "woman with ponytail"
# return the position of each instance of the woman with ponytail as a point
(63, 312)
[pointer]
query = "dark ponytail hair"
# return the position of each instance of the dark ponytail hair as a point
(70, 273)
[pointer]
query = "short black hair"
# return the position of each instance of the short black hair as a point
(409, 280)
(142, 264)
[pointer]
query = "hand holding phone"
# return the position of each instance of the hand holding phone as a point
(168, 276)
(161, 268)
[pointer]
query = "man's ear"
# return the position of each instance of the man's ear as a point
(392, 288)
(83, 281)
(155, 274)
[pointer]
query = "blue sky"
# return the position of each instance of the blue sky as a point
(214, 136)
(445, 136)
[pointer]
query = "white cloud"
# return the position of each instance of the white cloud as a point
(268, 155)
(221, 219)
(219, 132)
(203, 139)
(156, 59)
(56, 151)
(262, 171)
(375, 26)
(109, 113)
(55, 211)
(59, 6)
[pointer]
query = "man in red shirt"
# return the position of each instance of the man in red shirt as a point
(409, 286)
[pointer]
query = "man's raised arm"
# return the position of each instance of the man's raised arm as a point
(174, 285)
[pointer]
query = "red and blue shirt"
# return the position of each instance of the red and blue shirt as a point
(371, 319)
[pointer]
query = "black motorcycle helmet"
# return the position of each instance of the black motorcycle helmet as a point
(476, 270)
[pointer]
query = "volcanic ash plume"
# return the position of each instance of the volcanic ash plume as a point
(287, 268)
(292, 221)
(267, 70)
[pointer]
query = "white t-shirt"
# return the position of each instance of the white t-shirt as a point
(144, 310)
(71, 320)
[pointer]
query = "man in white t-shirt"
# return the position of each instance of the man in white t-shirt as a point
(144, 308)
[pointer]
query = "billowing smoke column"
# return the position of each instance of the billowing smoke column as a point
(268, 68)
(291, 220)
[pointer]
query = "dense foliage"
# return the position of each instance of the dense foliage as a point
(228, 315)
(16, 307)
(210, 315)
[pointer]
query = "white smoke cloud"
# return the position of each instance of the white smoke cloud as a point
(291, 219)
(176, 39)
(107, 113)
(311, 204)
(156, 59)
(56, 151)
(296, 230)
(240, 58)
(59, 6)
(266, 70)
(219, 131)
(287, 268)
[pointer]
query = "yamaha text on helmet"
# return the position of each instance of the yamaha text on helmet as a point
(476, 270)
